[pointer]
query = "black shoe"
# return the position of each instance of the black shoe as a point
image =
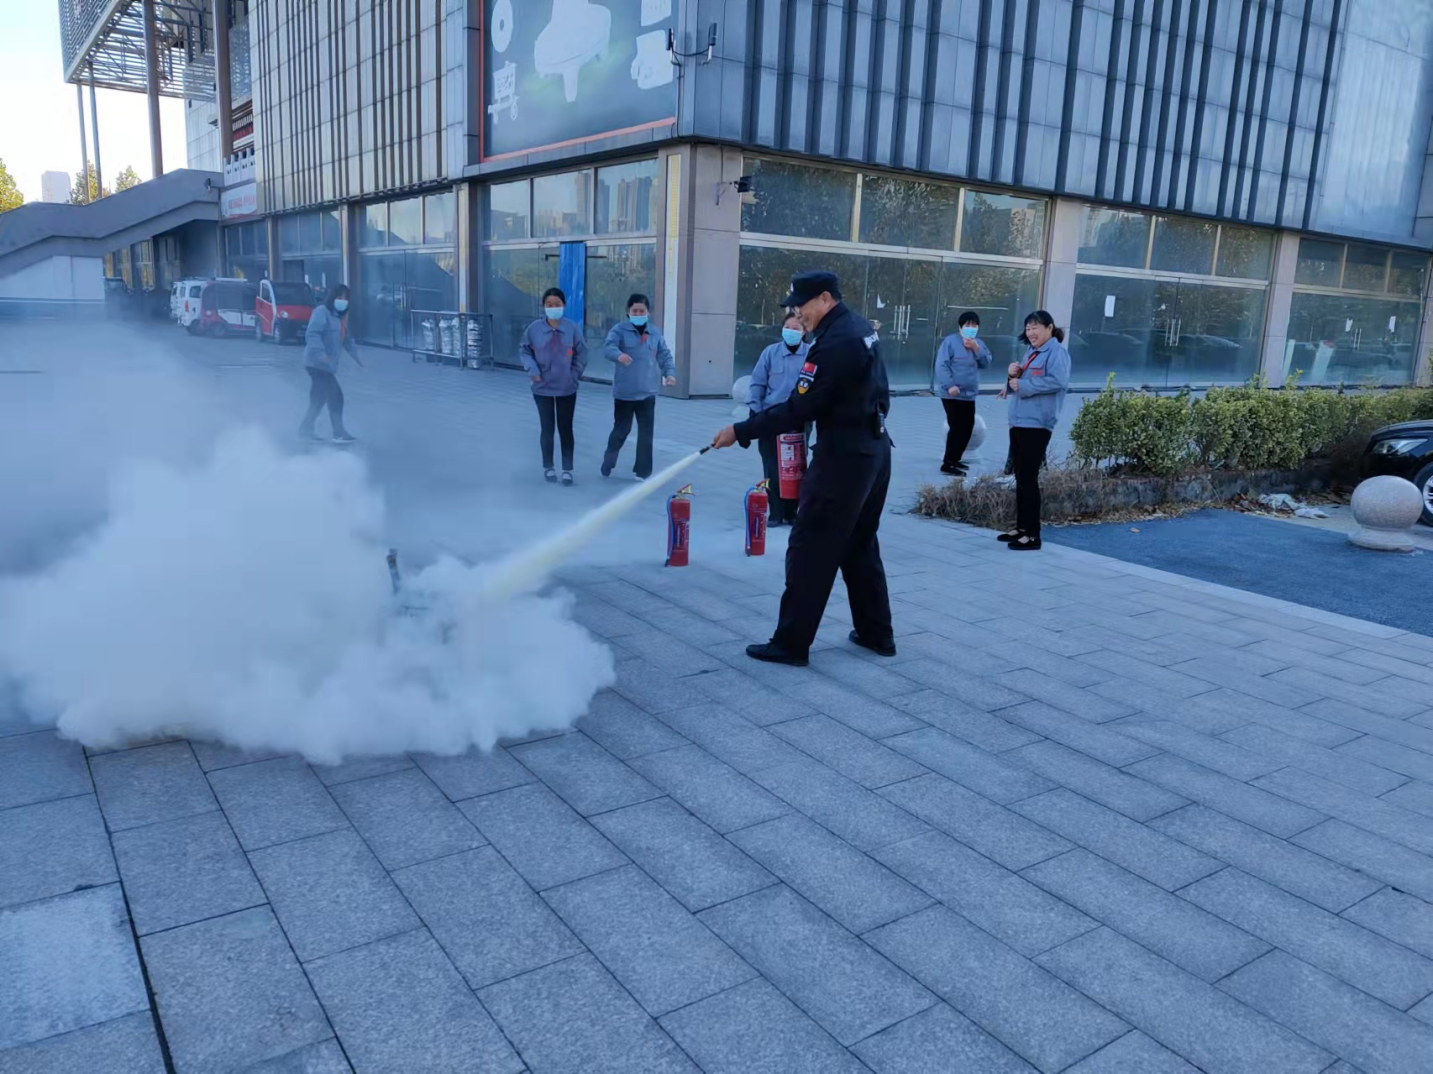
(888, 649)
(955, 469)
(1008, 536)
(772, 654)
(606, 469)
(1024, 544)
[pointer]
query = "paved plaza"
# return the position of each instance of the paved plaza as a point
(1093, 818)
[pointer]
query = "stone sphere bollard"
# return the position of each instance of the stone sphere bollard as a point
(977, 435)
(741, 390)
(1386, 509)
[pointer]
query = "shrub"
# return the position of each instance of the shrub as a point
(1147, 433)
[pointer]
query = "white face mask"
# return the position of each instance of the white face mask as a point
(554, 313)
(340, 304)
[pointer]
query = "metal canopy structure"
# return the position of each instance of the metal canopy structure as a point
(103, 44)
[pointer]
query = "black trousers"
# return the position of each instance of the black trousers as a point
(623, 411)
(323, 392)
(842, 497)
(960, 416)
(781, 510)
(1027, 455)
(555, 413)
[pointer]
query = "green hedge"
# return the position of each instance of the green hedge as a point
(1252, 427)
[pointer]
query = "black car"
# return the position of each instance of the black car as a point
(1404, 450)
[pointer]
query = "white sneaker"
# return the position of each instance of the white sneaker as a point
(638, 478)
(567, 477)
(550, 476)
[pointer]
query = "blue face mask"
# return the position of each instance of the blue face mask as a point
(640, 320)
(554, 313)
(340, 304)
(792, 336)
(970, 331)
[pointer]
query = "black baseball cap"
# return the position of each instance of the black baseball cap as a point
(807, 285)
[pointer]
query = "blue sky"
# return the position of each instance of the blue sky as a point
(39, 126)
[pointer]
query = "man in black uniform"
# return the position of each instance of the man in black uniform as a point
(843, 389)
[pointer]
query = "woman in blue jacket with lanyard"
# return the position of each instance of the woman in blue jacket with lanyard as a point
(554, 354)
(1036, 388)
(772, 382)
(643, 364)
(957, 375)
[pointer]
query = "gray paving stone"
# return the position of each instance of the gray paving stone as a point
(742, 694)
(938, 1038)
(847, 665)
(1005, 905)
(1391, 862)
(1125, 665)
(1334, 1015)
(981, 771)
(840, 880)
(1197, 712)
(1407, 732)
(184, 870)
(125, 1045)
(1105, 744)
(624, 730)
(276, 801)
(405, 819)
(1220, 754)
(1268, 812)
(686, 627)
(326, 1057)
(1044, 1021)
(662, 954)
(50, 848)
(976, 726)
(845, 986)
(470, 774)
(1278, 861)
(360, 768)
(212, 755)
(540, 836)
(488, 920)
(573, 1018)
(144, 786)
(1336, 664)
(1423, 1012)
(1219, 672)
(41, 766)
(398, 1004)
(1402, 918)
(1245, 709)
(731, 738)
(971, 690)
(1136, 798)
(230, 993)
(1076, 701)
(330, 893)
(1113, 836)
(862, 818)
(861, 714)
(691, 861)
(1391, 756)
(652, 689)
(603, 619)
(1380, 663)
(1353, 954)
(583, 774)
(1193, 1019)
(993, 830)
(1134, 1053)
(69, 962)
(1414, 795)
(754, 1029)
(1337, 765)
(1372, 814)
(717, 793)
(853, 755)
(1387, 697)
(1202, 943)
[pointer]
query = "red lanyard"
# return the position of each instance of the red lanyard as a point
(1033, 355)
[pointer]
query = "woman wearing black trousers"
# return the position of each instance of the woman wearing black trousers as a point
(957, 374)
(1036, 389)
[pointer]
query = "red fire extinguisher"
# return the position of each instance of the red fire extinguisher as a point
(757, 503)
(679, 527)
(791, 463)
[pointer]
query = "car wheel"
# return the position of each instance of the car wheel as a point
(1424, 481)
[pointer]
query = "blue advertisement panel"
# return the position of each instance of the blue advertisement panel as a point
(560, 72)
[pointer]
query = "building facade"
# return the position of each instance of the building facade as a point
(1201, 191)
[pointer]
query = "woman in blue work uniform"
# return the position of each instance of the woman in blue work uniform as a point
(1036, 389)
(643, 364)
(554, 354)
(772, 382)
(957, 376)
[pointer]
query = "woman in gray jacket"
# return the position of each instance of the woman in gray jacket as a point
(325, 341)
(773, 379)
(554, 355)
(1036, 388)
(957, 376)
(643, 363)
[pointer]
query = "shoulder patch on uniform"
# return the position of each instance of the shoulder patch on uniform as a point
(872, 340)
(806, 376)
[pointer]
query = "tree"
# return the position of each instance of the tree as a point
(126, 179)
(10, 196)
(87, 178)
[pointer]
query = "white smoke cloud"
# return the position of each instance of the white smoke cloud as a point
(244, 598)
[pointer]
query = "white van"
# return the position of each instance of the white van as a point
(182, 289)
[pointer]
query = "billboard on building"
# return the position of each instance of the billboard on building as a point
(559, 72)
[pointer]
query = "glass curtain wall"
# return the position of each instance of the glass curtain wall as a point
(609, 209)
(311, 250)
(407, 260)
(1355, 314)
(246, 250)
(912, 256)
(1165, 301)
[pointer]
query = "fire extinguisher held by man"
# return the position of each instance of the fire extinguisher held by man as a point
(842, 387)
(773, 379)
